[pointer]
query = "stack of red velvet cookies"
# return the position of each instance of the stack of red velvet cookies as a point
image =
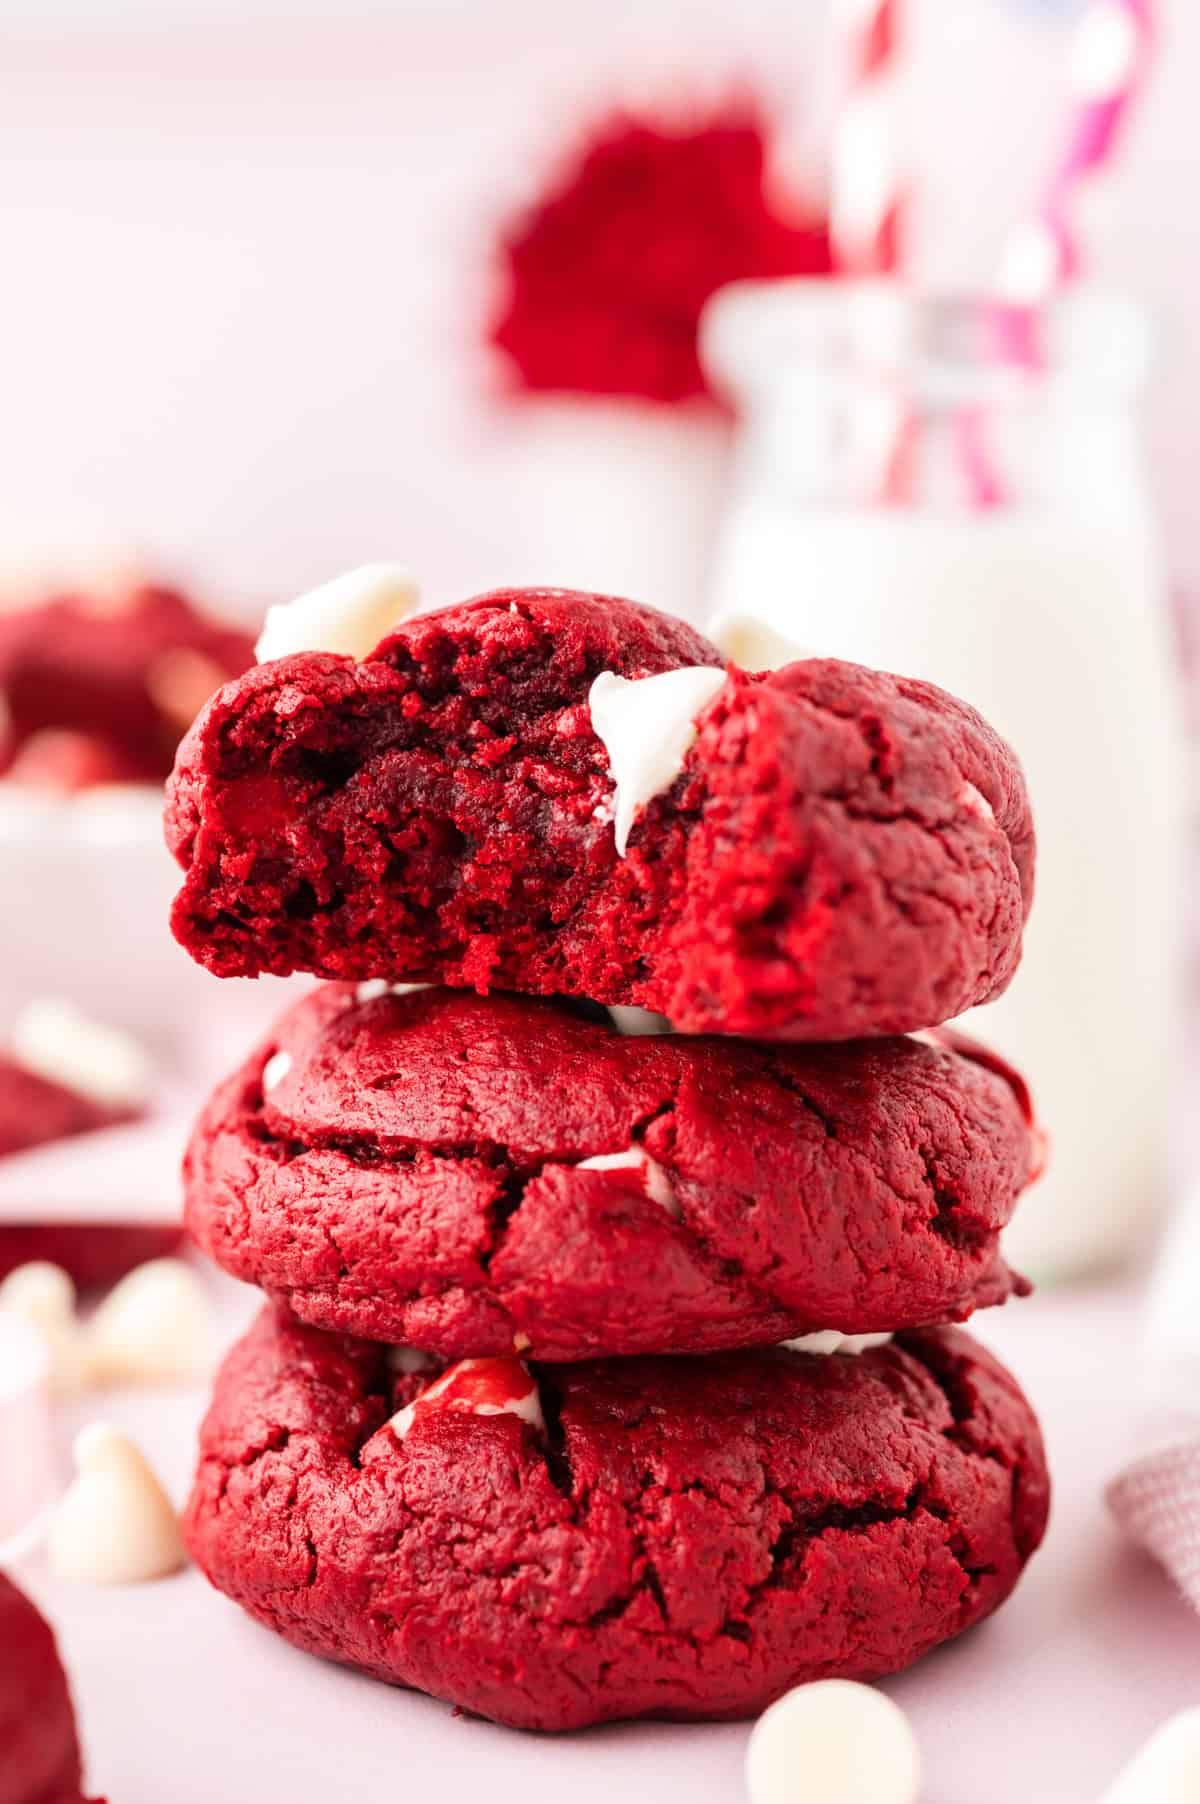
(605, 1371)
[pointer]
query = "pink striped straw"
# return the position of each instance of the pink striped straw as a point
(1107, 67)
(865, 212)
(866, 199)
(1105, 71)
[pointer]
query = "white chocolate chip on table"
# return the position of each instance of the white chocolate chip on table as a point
(52, 1038)
(154, 1327)
(43, 1296)
(1166, 1770)
(351, 614)
(647, 726)
(115, 1525)
(654, 1179)
(833, 1742)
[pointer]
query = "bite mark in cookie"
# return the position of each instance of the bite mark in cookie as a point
(443, 811)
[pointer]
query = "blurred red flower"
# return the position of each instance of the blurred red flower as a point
(607, 275)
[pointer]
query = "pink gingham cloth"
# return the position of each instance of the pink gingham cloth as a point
(1155, 1498)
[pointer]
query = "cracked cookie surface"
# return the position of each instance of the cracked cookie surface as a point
(414, 1172)
(685, 1538)
(843, 853)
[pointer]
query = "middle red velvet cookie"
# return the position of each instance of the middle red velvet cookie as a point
(468, 1175)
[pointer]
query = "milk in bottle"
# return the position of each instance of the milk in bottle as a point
(902, 500)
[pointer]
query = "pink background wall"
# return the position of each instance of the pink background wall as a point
(242, 248)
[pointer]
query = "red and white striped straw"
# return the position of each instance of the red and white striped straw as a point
(1108, 64)
(865, 215)
(866, 191)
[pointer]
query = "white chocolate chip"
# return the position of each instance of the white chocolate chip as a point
(975, 802)
(647, 726)
(51, 1037)
(154, 1327)
(1166, 1770)
(632, 1022)
(276, 1069)
(636, 1158)
(351, 614)
(753, 644)
(832, 1340)
(115, 1525)
(477, 1387)
(44, 1296)
(375, 987)
(833, 1742)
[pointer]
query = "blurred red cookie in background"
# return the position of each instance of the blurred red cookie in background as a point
(99, 687)
(38, 1107)
(39, 1748)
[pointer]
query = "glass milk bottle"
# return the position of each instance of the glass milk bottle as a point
(904, 498)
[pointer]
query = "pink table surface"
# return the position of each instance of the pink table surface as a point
(183, 1699)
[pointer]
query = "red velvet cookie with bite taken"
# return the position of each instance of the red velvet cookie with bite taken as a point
(467, 1174)
(560, 1546)
(832, 853)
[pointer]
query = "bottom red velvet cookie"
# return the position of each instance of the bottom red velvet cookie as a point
(565, 1545)
(39, 1752)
